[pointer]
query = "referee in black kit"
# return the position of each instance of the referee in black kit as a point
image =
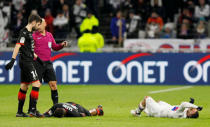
(25, 47)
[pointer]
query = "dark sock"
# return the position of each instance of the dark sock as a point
(141, 109)
(21, 99)
(34, 98)
(54, 96)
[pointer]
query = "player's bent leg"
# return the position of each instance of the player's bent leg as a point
(152, 107)
(54, 91)
(21, 99)
(149, 101)
(141, 107)
(142, 104)
(34, 98)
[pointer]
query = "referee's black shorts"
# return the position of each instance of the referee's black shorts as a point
(45, 72)
(28, 73)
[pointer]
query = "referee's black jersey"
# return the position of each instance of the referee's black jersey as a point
(26, 41)
(72, 109)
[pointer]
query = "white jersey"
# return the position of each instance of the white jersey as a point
(163, 109)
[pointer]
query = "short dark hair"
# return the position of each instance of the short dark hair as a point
(34, 17)
(89, 11)
(196, 115)
(59, 112)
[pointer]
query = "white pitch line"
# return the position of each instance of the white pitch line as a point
(171, 89)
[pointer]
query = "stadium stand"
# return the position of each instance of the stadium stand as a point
(150, 19)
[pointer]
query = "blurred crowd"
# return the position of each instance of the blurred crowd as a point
(116, 19)
(185, 19)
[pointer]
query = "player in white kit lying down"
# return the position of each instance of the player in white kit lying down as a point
(163, 109)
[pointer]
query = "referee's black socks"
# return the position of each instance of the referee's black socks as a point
(33, 98)
(54, 96)
(21, 99)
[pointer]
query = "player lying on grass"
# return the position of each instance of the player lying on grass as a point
(71, 109)
(163, 109)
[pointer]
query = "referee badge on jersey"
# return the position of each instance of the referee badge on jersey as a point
(50, 44)
(22, 40)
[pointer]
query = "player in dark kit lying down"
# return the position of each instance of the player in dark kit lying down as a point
(71, 109)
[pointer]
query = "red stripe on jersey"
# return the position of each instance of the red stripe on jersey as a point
(20, 43)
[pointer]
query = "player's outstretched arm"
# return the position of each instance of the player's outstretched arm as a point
(82, 114)
(97, 111)
(186, 105)
(57, 47)
(14, 55)
(64, 43)
(48, 113)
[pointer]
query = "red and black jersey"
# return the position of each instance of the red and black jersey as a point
(26, 41)
(72, 109)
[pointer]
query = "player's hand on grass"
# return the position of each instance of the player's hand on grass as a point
(199, 108)
(192, 100)
(10, 64)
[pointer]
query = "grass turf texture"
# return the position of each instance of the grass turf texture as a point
(117, 102)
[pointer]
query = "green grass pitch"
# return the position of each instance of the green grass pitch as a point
(117, 102)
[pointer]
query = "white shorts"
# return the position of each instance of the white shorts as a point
(154, 108)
